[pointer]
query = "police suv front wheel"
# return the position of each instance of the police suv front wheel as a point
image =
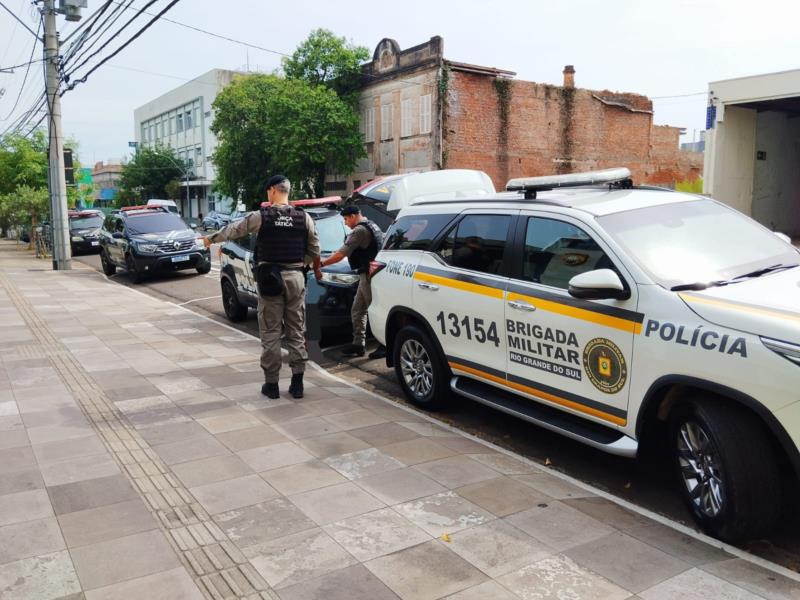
(726, 467)
(420, 369)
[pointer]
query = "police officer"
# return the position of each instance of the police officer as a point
(287, 241)
(360, 248)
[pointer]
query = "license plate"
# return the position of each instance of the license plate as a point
(95, 243)
(179, 258)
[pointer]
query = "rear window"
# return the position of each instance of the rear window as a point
(154, 223)
(415, 232)
(86, 222)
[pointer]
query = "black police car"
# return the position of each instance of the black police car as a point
(84, 230)
(147, 239)
(328, 301)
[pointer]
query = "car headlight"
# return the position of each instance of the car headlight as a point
(77, 238)
(147, 248)
(198, 244)
(790, 352)
(341, 278)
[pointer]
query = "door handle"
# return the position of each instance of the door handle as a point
(521, 305)
(428, 286)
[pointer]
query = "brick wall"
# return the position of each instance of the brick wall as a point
(552, 129)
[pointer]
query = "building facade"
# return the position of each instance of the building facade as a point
(105, 180)
(420, 111)
(181, 119)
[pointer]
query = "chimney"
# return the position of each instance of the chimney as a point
(569, 77)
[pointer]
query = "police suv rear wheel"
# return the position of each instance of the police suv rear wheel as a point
(234, 310)
(726, 467)
(420, 369)
(108, 267)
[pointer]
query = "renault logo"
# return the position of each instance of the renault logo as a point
(176, 245)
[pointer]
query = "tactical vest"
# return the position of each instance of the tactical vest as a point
(282, 237)
(360, 258)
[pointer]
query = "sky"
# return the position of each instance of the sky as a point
(668, 50)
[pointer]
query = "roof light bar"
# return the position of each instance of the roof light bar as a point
(530, 185)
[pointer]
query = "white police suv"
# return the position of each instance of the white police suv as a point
(617, 316)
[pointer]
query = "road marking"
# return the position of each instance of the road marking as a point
(198, 300)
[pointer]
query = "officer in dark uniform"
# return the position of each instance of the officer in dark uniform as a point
(287, 241)
(360, 248)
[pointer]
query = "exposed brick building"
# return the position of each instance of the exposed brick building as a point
(422, 112)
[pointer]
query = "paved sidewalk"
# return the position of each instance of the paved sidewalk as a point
(139, 460)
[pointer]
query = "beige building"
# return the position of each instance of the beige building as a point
(105, 179)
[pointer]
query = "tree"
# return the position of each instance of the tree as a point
(23, 161)
(147, 174)
(267, 124)
(324, 59)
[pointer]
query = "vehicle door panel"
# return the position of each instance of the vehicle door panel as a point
(572, 353)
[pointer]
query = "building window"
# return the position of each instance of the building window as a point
(180, 122)
(171, 124)
(163, 132)
(425, 113)
(369, 124)
(387, 121)
(187, 120)
(405, 118)
(196, 116)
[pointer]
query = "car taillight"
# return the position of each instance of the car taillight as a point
(375, 267)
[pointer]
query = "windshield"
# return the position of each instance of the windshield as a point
(701, 241)
(92, 222)
(154, 223)
(332, 232)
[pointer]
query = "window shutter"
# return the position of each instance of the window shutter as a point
(425, 113)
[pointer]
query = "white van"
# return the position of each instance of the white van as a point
(168, 204)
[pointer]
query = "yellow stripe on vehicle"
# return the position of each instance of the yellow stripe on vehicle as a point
(460, 285)
(579, 313)
(541, 394)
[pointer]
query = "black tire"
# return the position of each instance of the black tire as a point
(134, 274)
(425, 382)
(205, 267)
(234, 310)
(737, 461)
(108, 267)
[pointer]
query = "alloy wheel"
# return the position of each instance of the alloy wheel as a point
(416, 367)
(700, 469)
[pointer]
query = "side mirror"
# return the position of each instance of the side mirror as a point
(193, 225)
(600, 284)
(783, 236)
(117, 235)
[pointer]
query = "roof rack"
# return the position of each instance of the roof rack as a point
(619, 177)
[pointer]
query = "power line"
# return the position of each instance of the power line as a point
(679, 96)
(25, 64)
(25, 25)
(90, 20)
(27, 70)
(72, 51)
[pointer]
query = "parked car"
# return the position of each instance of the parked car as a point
(215, 220)
(617, 316)
(168, 204)
(84, 230)
(146, 239)
(328, 301)
(381, 199)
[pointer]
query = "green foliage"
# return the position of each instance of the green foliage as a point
(690, 186)
(266, 124)
(174, 189)
(25, 207)
(324, 59)
(23, 161)
(147, 174)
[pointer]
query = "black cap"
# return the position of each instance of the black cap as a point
(350, 209)
(277, 180)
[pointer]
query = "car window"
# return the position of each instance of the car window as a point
(556, 251)
(87, 222)
(119, 225)
(332, 232)
(477, 243)
(377, 213)
(415, 232)
(155, 223)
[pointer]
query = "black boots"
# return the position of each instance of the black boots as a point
(296, 386)
(353, 350)
(270, 390)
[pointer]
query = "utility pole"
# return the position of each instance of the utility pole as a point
(62, 254)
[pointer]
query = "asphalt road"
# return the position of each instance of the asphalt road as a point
(646, 482)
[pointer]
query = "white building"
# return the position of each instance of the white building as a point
(182, 119)
(753, 148)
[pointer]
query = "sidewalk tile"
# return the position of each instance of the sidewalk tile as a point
(626, 561)
(16, 459)
(679, 545)
(328, 406)
(504, 464)
(30, 538)
(559, 577)
(336, 502)
(66, 416)
(427, 429)
(282, 413)
(425, 572)
(252, 437)
(24, 506)
(758, 580)
(12, 423)
(158, 435)
(78, 469)
(559, 526)
(21, 481)
(95, 525)
(401, 485)
(210, 470)
(375, 534)
(68, 449)
(46, 576)
(462, 444)
(57, 433)
(417, 450)
(489, 590)
(120, 559)
(91, 493)
(140, 390)
(310, 427)
(352, 583)
(384, 434)
(266, 458)
(362, 463)
(324, 446)
(443, 513)
(177, 383)
(502, 496)
(356, 419)
(233, 493)
(608, 512)
(300, 557)
(302, 477)
(193, 448)
(697, 585)
(175, 584)
(8, 407)
(250, 527)
(456, 471)
(497, 548)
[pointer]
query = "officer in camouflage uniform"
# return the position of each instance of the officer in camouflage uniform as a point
(287, 241)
